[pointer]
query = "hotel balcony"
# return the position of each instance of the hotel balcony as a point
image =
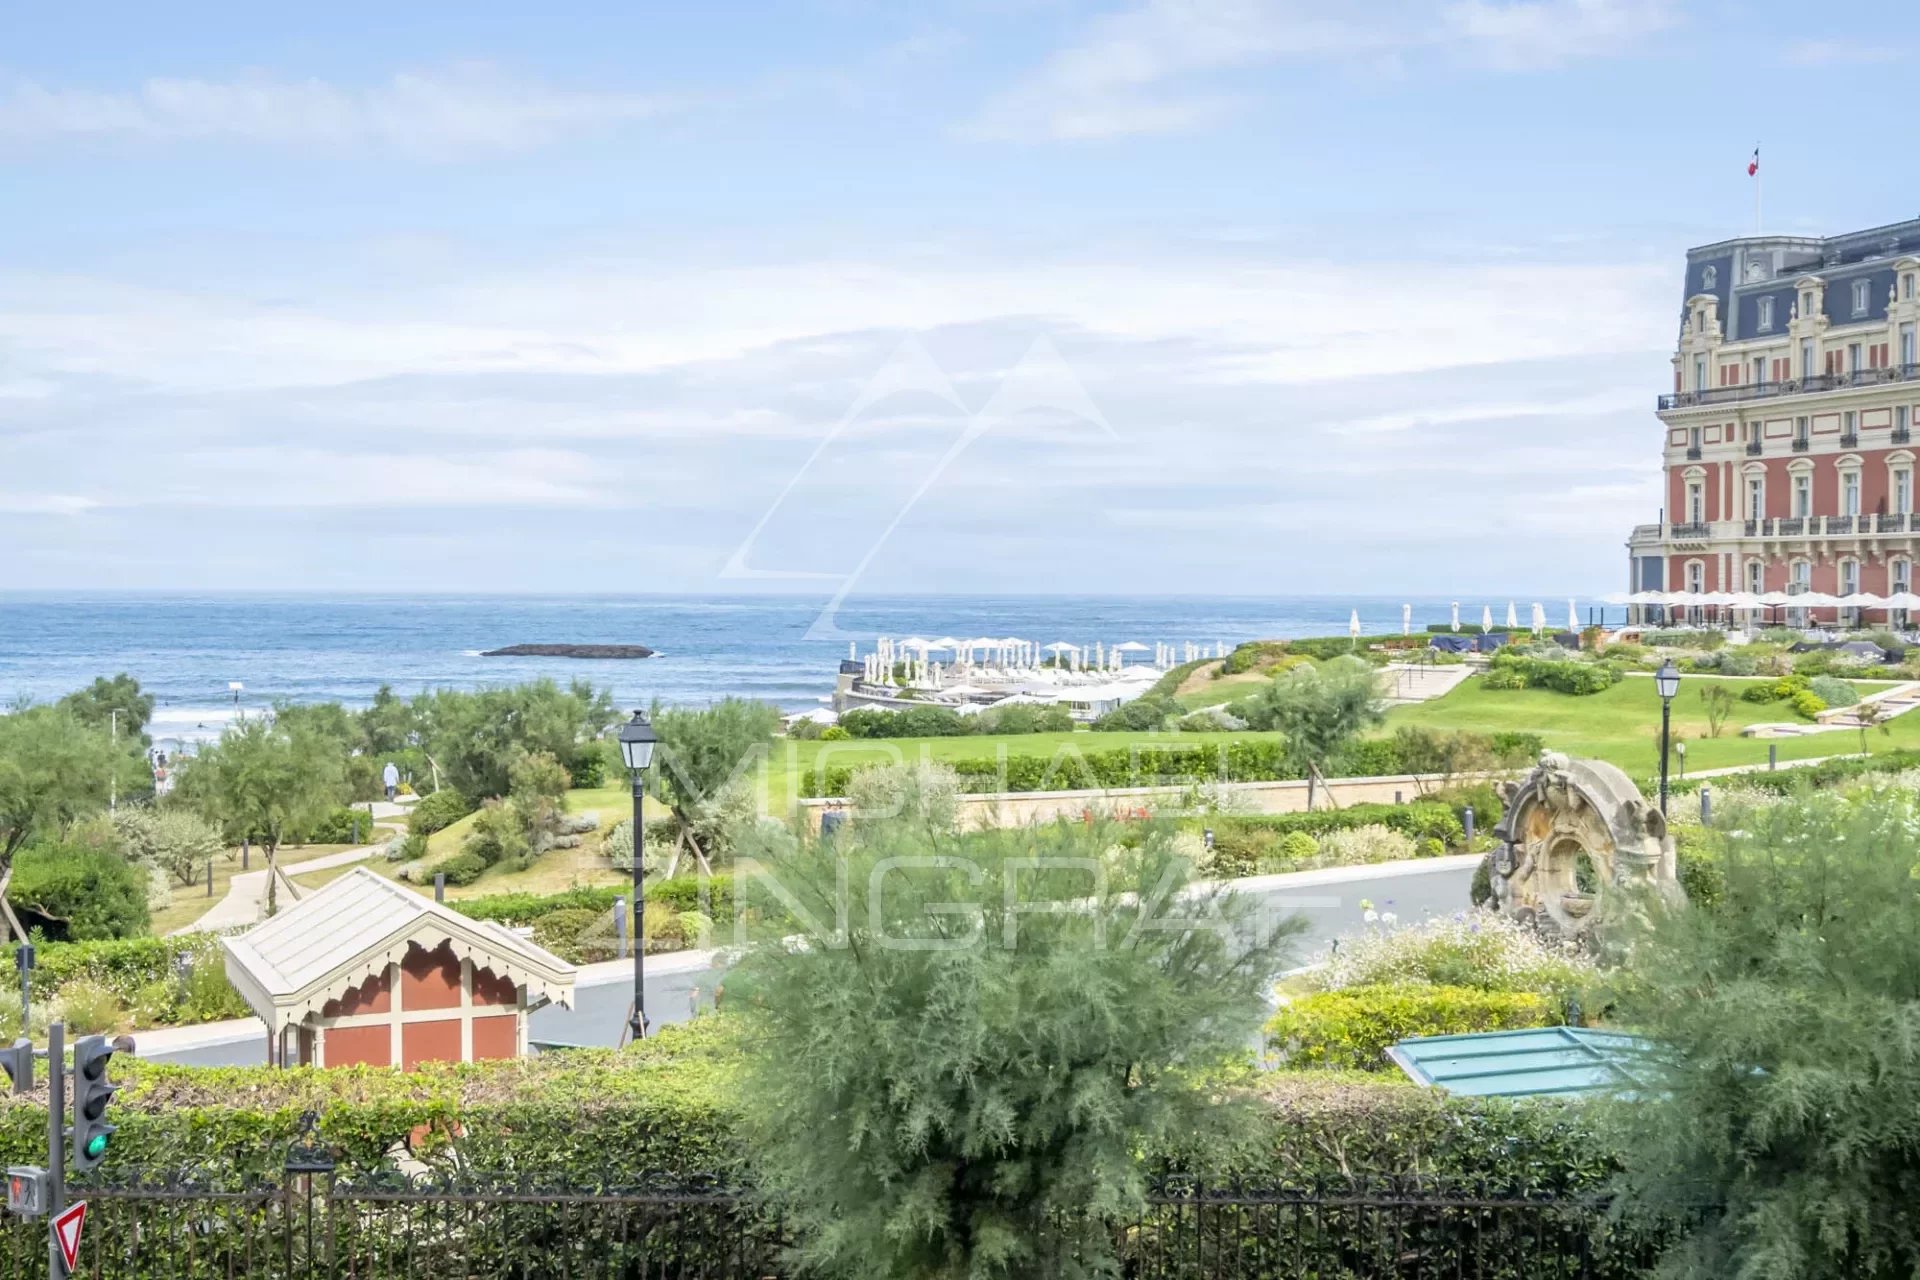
(1700, 533)
(1790, 387)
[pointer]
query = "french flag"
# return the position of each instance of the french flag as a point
(1753, 165)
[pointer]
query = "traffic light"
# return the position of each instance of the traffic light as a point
(17, 1059)
(92, 1091)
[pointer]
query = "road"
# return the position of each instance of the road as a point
(1329, 900)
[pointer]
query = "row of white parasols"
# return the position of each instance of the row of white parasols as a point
(1771, 600)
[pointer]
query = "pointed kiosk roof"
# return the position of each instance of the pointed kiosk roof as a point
(290, 965)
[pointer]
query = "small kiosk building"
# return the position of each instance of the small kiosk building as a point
(365, 971)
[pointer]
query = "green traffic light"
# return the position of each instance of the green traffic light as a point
(96, 1146)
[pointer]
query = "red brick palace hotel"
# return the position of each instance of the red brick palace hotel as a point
(1789, 458)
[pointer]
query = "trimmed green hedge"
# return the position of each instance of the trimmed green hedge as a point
(1352, 1028)
(1244, 844)
(1175, 764)
(663, 1108)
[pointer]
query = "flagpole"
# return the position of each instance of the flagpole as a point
(1756, 188)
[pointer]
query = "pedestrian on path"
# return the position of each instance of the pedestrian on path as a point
(391, 776)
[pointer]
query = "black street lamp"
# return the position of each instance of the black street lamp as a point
(1667, 681)
(637, 740)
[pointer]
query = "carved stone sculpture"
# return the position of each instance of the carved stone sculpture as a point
(1574, 832)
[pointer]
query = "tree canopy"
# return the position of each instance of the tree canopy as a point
(1320, 708)
(53, 768)
(1003, 1021)
(263, 780)
(702, 752)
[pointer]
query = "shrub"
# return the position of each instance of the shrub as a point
(88, 1007)
(1833, 691)
(1562, 675)
(1738, 662)
(1352, 1028)
(1254, 655)
(577, 934)
(913, 722)
(463, 868)
(499, 834)
(1208, 722)
(175, 839)
(1471, 949)
(407, 848)
(1022, 719)
(1140, 715)
(1783, 1101)
(74, 892)
(1297, 848)
(343, 825)
(1358, 846)
(1807, 704)
(438, 811)
(834, 733)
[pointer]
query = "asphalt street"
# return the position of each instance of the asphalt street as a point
(1331, 907)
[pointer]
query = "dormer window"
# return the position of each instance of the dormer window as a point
(1766, 315)
(1710, 278)
(1862, 297)
(1906, 286)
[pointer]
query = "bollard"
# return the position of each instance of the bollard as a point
(356, 830)
(1773, 756)
(620, 927)
(1397, 798)
(209, 877)
(1309, 793)
(246, 851)
(1466, 824)
(439, 886)
(1706, 806)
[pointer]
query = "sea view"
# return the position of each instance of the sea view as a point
(186, 648)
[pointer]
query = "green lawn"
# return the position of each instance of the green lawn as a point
(1622, 724)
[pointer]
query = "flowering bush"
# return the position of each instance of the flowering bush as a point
(1371, 843)
(1468, 949)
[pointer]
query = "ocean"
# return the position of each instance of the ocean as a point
(186, 648)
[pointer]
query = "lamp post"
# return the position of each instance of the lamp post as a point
(637, 740)
(1667, 681)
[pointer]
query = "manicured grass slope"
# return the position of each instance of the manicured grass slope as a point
(1622, 724)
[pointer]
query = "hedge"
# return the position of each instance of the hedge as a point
(1249, 843)
(663, 1109)
(1353, 1027)
(1247, 760)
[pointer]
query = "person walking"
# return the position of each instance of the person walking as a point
(391, 776)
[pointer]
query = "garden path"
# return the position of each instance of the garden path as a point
(246, 900)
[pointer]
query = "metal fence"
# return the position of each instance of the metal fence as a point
(315, 1222)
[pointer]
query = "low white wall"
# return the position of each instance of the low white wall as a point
(1017, 808)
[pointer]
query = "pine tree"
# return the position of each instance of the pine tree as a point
(963, 1081)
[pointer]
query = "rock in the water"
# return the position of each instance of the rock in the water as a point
(570, 651)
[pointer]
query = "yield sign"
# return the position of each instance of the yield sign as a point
(66, 1232)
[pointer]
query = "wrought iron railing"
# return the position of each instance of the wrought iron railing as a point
(1790, 386)
(316, 1222)
(1692, 529)
(1753, 448)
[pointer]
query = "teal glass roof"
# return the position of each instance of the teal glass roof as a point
(1521, 1064)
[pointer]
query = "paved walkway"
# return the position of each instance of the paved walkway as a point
(246, 900)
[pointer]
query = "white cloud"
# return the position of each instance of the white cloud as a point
(1535, 35)
(45, 504)
(1150, 69)
(460, 108)
(298, 477)
(1833, 53)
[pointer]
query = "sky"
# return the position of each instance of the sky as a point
(1043, 296)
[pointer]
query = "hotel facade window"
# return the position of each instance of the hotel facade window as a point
(1756, 497)
(1802, 495)
(1900, 574)
(1696, 502)
(1756, 576)
(1906, 345)
(1862, 297)
(1806, 357)
(1699, 373)
(1850, 493)
(1902, 496)
(1849, 577)
(1766, 315)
